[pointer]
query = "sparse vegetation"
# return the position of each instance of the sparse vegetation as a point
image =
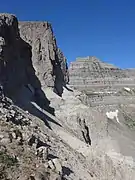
(7, 160)
(130, 122)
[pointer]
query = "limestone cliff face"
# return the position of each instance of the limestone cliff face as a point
(90, 73)
(48, 61)
(102, 82)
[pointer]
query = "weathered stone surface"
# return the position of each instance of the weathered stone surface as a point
(103, 83)
(79, 141)
(36, 63)
(48, 60)
(16, 68)
(90, 71)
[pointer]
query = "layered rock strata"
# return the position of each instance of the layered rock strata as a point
(103, 83)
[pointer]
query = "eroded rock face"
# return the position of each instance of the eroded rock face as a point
(33, 58)
(48, 61)
(90, 71)
(78, 142)
(102, 82)
(16, 68)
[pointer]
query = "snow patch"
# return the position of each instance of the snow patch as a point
(113, 114)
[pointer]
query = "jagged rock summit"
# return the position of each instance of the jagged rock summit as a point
(50, 131)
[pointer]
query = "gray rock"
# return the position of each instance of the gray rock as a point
(90, 71)
(103, 83)
(15, 66)
(47, 59)
(37, 63)
(79, 142)
(54, 164)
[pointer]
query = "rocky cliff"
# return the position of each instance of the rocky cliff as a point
(49, 130)
(16, 68)
(31, 55)
(48, 60)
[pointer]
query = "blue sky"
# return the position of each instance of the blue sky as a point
(102, 28)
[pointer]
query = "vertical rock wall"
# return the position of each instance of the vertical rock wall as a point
(16, 68)
(48, 61)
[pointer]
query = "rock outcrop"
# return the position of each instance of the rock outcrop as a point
(16, 69)
(33, 58)
(48, 60)
(26, 68)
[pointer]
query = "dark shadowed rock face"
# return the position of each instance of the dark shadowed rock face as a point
(27, 67)
(30, 62)
(48, 61)
(32, 58)
(16, 68)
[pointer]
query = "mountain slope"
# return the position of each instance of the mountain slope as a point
(49, 130)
